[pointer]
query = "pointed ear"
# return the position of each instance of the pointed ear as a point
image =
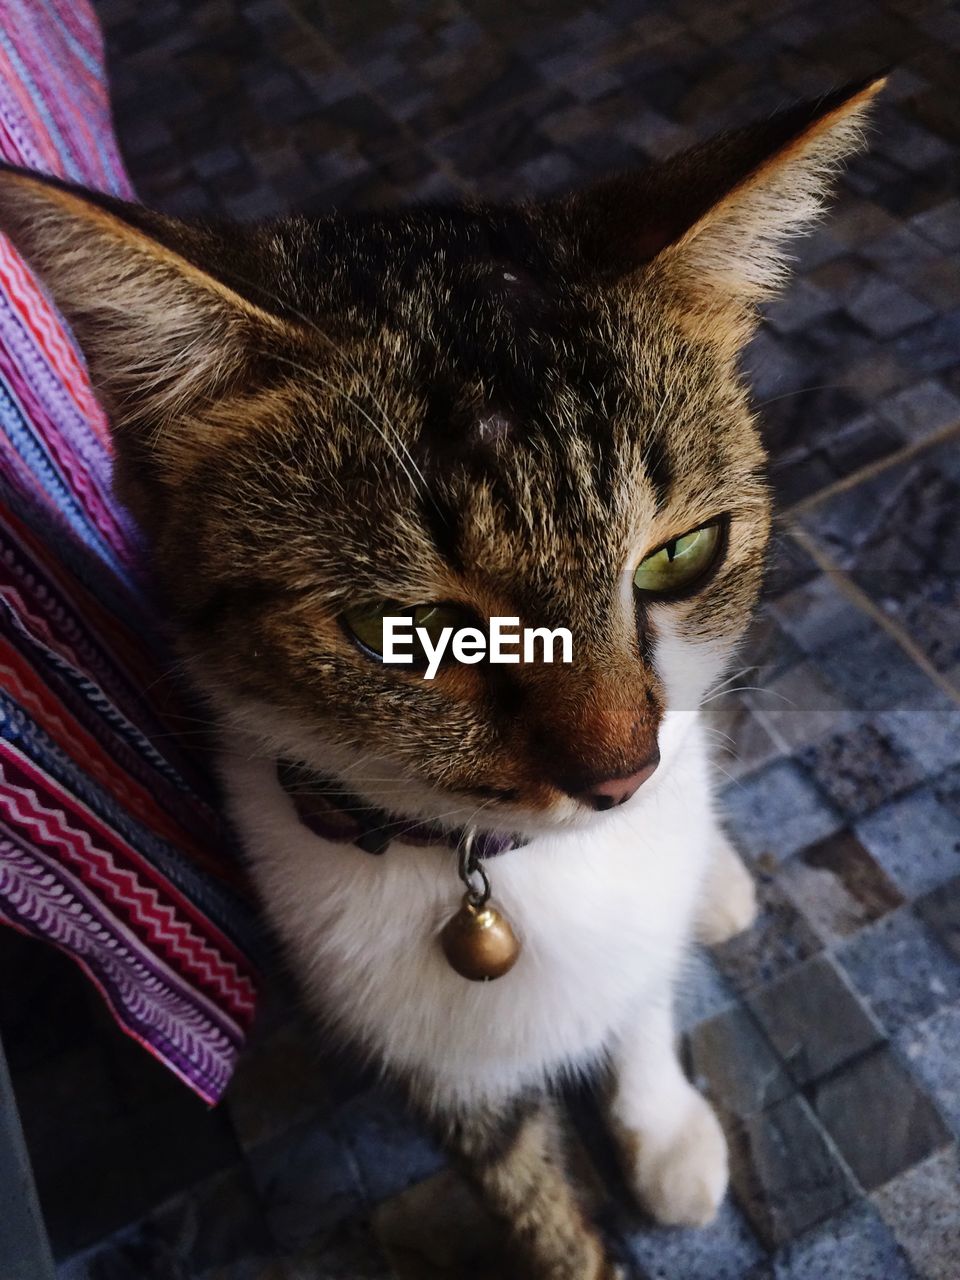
(161, 331)
(715, 221)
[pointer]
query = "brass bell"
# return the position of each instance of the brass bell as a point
(479, 942)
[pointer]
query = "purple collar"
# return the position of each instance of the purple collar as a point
(329, 811)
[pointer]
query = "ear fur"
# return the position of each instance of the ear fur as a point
(713, 222)
(737, 245)
(160, 332)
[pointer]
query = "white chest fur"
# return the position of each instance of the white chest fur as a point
(603, 915)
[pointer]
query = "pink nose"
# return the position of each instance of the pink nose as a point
(613, 791)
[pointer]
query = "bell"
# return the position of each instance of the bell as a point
(479, 943)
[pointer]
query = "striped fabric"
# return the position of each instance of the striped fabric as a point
(110, 843)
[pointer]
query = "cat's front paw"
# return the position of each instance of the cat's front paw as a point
(679, 1173)
(728, 903)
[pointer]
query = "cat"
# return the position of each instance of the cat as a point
(528, 410)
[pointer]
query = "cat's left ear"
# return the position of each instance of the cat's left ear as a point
(149, 299)
(714, 222)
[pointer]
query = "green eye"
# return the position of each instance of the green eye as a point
(365, 624)
(679, 563)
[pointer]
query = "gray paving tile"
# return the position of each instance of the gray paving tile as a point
(814, 1020)
(779, 939)
(387, 1148)
(731, 1059)
(777, 811)
(931, 1048)
(879, 1117)
(726, 1250)
(855, 1246)
(785, 1175)
(940, 909)
(701, 990)
(901, 969)
(917, 411)
(931, 735)
(916, 839)
(860, 769)
(922, 1208)
(308, 1185)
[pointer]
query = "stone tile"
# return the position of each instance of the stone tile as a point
(784, 1173)
(725, 1250)
(897, 534)
(777, 811)
(946, 788)
(916, 411)
(886, 309)
(915, 839)
(941, 224)
(701, 990)
(838, 887)
(880, 1119)
(801, 709)
(860, 769)
(932, 1050)
(779, 939)
(766, 652)
(922, 1208)
(308, 1184)
(730, 1058)
(940, 910)
(930, 734)
(387, 1147)
(874, 674)
(931, 348)
(814, 1020)
(816, 615)
(901, 969)
(857, 1245)
(804, 302)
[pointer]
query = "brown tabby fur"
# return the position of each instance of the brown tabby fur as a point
(475, 404)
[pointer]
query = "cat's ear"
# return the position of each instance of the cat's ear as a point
(160, 329)
(716, 221)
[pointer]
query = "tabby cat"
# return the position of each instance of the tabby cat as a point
(528, 410)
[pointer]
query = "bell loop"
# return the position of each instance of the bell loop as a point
(469, 866)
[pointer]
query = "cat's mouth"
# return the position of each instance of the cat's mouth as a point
(329, 810)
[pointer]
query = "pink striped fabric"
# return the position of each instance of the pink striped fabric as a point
(111, 845)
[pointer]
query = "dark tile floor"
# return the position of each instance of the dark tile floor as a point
(830, 1035)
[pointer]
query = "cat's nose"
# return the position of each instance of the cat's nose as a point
(609, 792)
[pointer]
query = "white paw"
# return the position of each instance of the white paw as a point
(728, 903)
(681, 1178)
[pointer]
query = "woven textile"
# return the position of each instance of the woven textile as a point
(110, 844)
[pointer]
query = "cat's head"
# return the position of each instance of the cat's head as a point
(508, 411)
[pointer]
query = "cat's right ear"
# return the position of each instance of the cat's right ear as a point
(711, 226)
(161, 331)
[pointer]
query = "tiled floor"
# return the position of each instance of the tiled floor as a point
(830, 1035)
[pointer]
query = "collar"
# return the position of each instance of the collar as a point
(328, 810)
